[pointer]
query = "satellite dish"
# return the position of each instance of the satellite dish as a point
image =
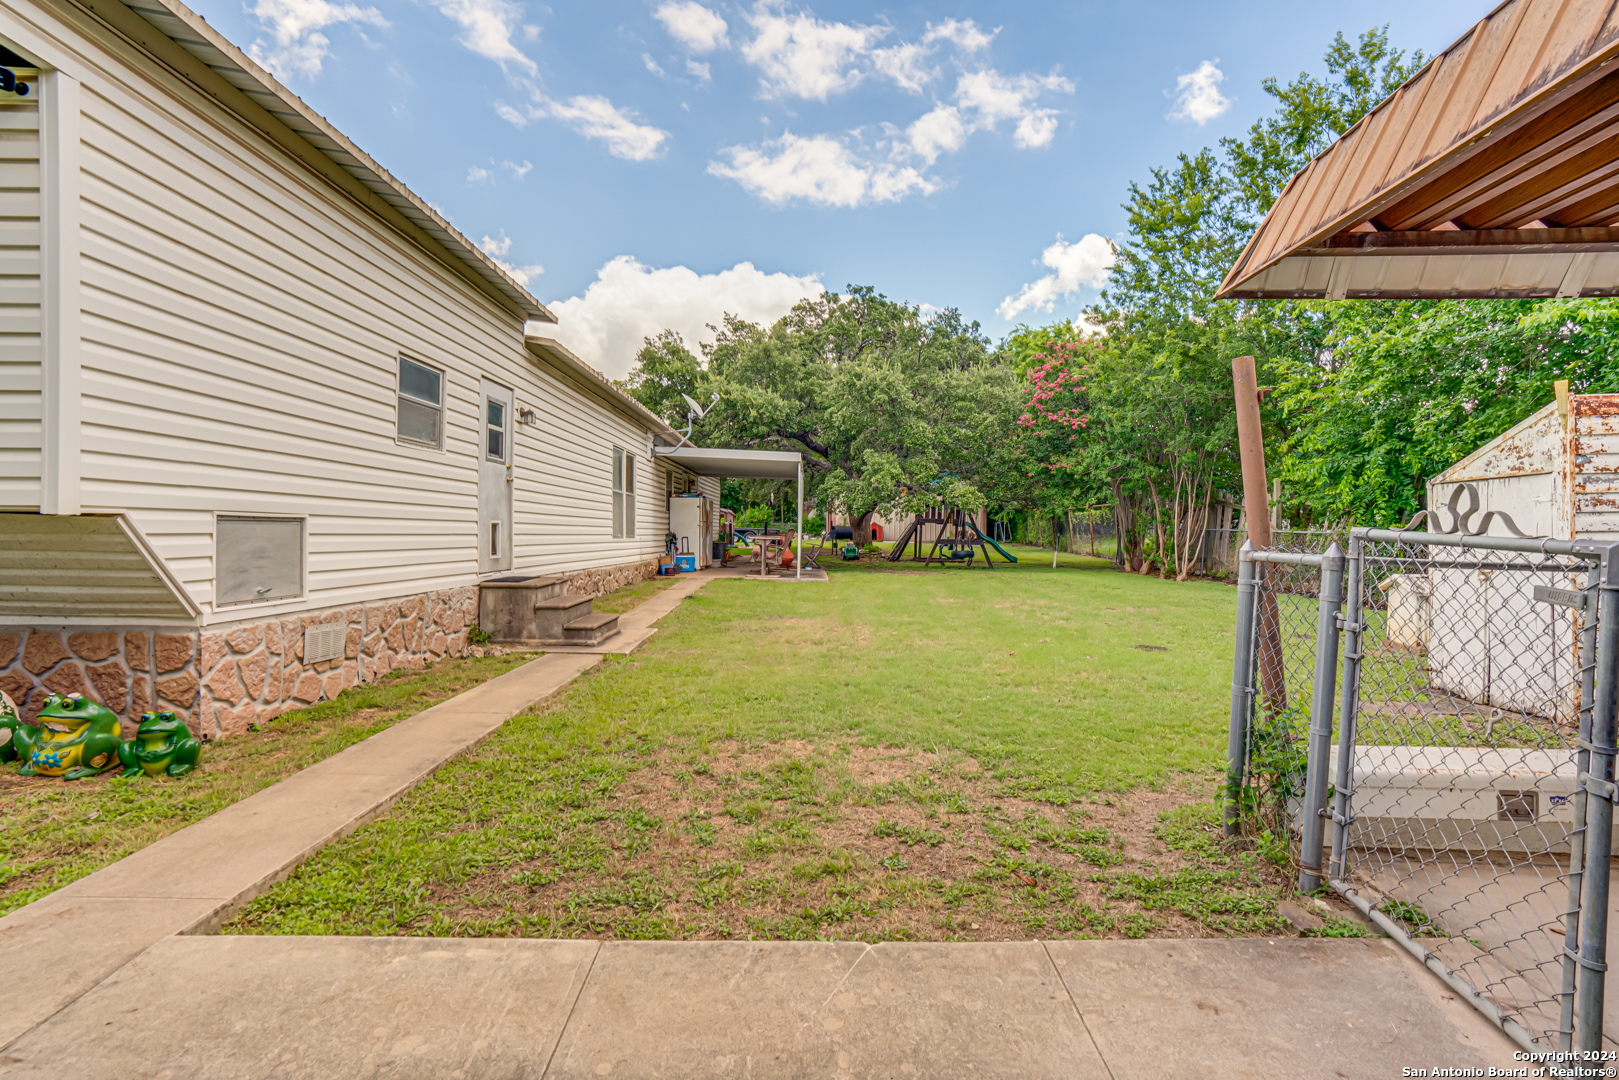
(696, 409)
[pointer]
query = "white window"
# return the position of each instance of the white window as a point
(495, 431)
(421, 404)
(623, 495)
(257, 559)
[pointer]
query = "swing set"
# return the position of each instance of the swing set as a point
(958, 542)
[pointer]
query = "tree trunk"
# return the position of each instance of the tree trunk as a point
(862, 529)
(1157, 530)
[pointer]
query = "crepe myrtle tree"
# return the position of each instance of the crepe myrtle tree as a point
(1053, 448)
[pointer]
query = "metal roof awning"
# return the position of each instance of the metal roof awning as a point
(1492, 172)
(735, 464)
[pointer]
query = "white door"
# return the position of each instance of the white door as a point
(494, 478)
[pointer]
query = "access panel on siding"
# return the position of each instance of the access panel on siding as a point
(19, 298)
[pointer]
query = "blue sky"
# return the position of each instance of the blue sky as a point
(652, 164)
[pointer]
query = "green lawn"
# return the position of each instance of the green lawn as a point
(899, 753)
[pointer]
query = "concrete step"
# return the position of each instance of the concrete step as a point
(506, 604)
(552, 615)
(591, 629)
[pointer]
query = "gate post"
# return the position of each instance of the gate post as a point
(1321, 699)
(1576, 836)
(1599, 789)
(1242, 699)
(1343, 782)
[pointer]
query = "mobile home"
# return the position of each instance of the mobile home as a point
(266, 418)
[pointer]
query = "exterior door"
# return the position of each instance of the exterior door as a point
(494, 478)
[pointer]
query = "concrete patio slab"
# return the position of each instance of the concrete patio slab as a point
(1252, 1007)
(739, 1009)
(228, 1007)
(246, 1007)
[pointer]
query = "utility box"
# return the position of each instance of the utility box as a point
(691, 520)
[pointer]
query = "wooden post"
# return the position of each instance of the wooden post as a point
(1251, 449)
(1256, 508)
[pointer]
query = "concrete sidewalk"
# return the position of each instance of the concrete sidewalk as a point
(190, 882)
(240, 1007)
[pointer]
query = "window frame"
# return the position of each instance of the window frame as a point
(504, 457)
(303, 560)
(617, 490)
(400, 396)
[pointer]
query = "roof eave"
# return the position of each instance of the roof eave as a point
(559, 354)
(205, 45)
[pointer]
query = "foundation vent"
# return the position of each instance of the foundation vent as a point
(324, 642)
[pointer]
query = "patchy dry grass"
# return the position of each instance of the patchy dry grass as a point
(774, 840)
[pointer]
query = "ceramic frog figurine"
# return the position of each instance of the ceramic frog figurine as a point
(162, 744)
(75, 738)
(10, 720)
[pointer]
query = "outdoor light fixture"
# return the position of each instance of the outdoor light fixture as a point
(526, 416)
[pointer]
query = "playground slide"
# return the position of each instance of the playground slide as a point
(1007, 555)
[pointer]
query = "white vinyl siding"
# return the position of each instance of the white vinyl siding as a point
(242, 327)
(20, 354)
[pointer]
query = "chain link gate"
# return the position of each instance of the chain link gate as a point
(1460, 810)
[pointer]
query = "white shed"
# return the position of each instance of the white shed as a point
(1555, 474)
(250, 383)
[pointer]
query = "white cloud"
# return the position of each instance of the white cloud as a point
(298, 46)
(487, 27)
(938, 132)
(497, 249)
(818, 169)
(518, 171)
(595, 118)
(693, 25)
(964, 34)
(699, 71)
(475, 175)
(651, 65)
(995, 97)
(630, 301)
(1198, 96)
(801, 56)
(1085, 262)
(905, 63)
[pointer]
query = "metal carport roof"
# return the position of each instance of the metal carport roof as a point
(1492, 172)
(739, 464)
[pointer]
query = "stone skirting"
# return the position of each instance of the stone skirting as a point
(604, 579)
(224, 678)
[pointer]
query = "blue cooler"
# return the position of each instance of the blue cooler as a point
(687, 563)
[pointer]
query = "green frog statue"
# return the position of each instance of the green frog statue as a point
(10, 720)
(75, 738)
(163, 744)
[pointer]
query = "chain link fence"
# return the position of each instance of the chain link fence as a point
(1452, 774)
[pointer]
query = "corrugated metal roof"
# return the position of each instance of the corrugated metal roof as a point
(192, 33)
(1493, 171)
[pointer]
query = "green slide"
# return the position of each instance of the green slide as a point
(1007, 555)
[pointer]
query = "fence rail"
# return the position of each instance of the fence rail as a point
(1466, 772)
